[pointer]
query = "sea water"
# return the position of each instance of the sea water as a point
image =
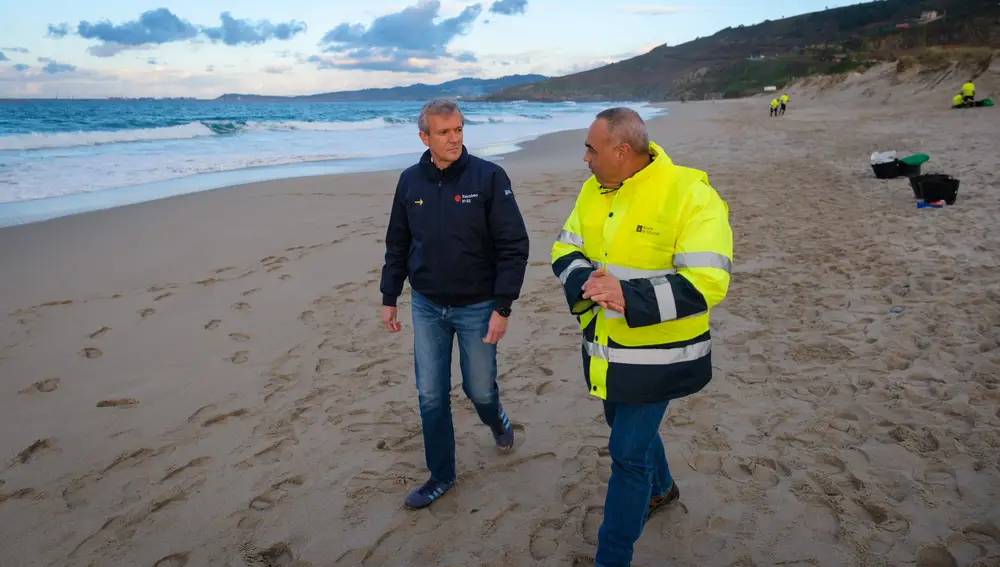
(83, 155)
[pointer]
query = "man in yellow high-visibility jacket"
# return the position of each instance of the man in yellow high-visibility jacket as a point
(958, 101)
(774, 107)
(644, 255)
(969, 91)
(784, 102)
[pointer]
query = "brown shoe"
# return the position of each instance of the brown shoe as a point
(658, 502)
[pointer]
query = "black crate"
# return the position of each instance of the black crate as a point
(888, 170)
(935, 187)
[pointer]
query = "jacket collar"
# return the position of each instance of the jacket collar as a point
(434, 174)
(661, 161)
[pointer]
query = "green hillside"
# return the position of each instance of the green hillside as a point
(743, 60)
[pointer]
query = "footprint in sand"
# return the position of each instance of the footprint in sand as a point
(240, 337)
(118, 403)
(592, 519)
(284, 277)
(99, 332)
(935, 556)
(193, 463)
(544, 539)
(31, 451)
(163, 296)
(249, 291)
(207, 282)
(241, 306)
(43, 386)
(173, 560)
(91, 352)
(146, 312)
(278, 554)
(240, 356)
(213, 324)
(224, 416)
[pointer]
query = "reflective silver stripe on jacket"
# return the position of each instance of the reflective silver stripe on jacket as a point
(574, 265)
(649, 356)
(567, 237)
(664, 298)
(703, 260)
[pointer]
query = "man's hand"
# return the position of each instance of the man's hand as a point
(497, 329)
(390, 319)
(605, 290)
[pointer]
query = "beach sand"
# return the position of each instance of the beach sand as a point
(204, 380)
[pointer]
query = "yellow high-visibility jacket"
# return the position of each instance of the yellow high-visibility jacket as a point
(958, 100)
(774, 103)
(968, 89)
(665, 235)
(784, 98)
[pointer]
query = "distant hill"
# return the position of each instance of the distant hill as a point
(743, 60)
(465, 88)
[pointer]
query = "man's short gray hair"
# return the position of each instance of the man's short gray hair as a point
(626, 127)
(437, 107)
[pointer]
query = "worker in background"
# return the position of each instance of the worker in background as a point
(969, 92)
(958, 101)
(643, 257)
(784, 102)
(774, 107)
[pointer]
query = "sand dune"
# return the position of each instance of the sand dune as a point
(204, 381)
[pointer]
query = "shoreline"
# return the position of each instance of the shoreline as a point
(31, 211)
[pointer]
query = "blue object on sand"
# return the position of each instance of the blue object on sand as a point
(923, 205)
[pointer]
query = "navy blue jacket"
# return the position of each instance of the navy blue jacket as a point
(457, 234)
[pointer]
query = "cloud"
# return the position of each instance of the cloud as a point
(653, 9)
(113, 48)
(15, 49)
(154, 26)
(277, 69)
(509, 7)
(3, 57)
(160, 26)
(21, 67)
(371, 62)
(406, 41)
(60, 30)
(236, 32)
(52, 66)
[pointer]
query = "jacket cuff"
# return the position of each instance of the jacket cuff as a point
(388, 300)
(503, 302)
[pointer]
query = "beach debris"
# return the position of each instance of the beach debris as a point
(897, 309)
(883, 157)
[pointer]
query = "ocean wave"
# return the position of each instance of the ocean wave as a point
(204, 128)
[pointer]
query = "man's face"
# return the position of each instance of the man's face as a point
(444, 137)
(603, 157)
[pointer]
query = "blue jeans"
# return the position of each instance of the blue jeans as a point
(639, 471)
(434, 327)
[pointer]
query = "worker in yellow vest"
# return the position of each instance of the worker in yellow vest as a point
(774, 107)
(958, 101)
(784, 102)
(643, 257)
(969, 92)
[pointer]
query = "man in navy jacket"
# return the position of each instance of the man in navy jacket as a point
(456, 232)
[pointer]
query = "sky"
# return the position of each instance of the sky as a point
(204, 48)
